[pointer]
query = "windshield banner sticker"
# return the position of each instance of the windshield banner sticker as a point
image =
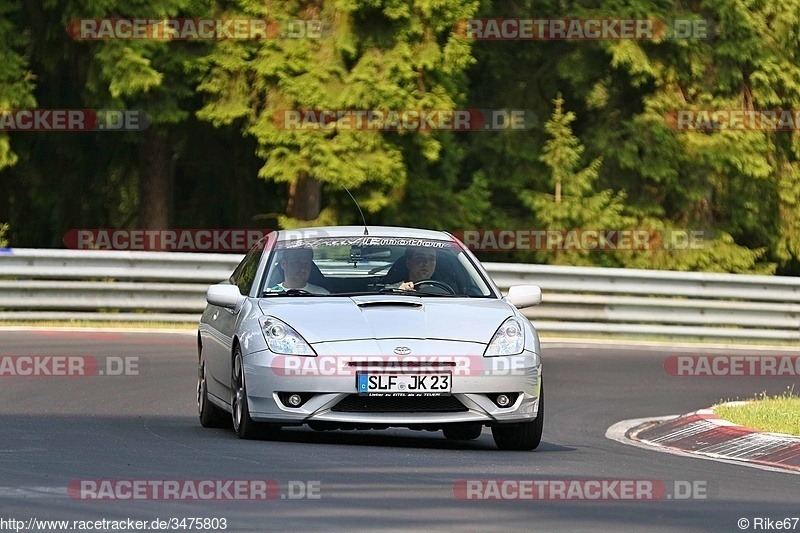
(364, 241)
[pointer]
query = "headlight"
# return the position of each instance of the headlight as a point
(283, 339)
(509, 339)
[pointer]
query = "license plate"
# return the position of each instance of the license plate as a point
(372, 384)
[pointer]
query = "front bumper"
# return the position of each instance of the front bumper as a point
(329, 379)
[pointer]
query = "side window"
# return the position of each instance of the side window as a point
(245, 273)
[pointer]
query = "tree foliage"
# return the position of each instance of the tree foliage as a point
(372, 56)
(602, 154)
(16, 80)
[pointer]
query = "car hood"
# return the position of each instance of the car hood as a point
(329, 319)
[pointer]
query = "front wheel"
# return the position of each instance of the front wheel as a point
(243, 425)
(524, 436)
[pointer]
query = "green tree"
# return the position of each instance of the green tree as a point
(574, 205)
(741, 188)
(125, 178)
(16, 80)
(737, 186)
(390, 55)
(153, 76)
(727, 183)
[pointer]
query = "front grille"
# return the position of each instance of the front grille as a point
(401, 365)
(399, 404)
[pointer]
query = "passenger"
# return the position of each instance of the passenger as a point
(297, 265)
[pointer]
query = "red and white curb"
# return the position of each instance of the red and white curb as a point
(703, 434)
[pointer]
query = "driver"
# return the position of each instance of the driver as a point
(421, 263)
(296, 265)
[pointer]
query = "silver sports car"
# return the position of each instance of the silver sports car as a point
(369, 328)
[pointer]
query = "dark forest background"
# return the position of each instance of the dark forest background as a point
(600, 155)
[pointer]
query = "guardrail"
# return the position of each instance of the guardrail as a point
(154, 286)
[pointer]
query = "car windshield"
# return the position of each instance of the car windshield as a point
(349, 266)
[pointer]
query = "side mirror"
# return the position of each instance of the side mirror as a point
(524, 295)
(224, 295)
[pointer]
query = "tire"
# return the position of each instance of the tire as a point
(243, 425)
(466, 431)
(211, 416)
(524, 436)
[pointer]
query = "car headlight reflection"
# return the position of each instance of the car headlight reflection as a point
(283, 338)
(509, 339)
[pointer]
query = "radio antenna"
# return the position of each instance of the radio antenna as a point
(364, 220)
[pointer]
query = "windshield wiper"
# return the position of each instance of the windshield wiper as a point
(412, 292)
(396, 290)
(439, 294)
(356, 293)
(291, 292)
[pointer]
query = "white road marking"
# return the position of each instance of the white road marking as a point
(33, 492)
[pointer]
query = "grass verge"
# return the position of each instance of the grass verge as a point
(778, 414)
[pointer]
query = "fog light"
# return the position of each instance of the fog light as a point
(502, 400)
(295, 400)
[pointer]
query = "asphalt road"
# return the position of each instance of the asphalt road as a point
(56, 430)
